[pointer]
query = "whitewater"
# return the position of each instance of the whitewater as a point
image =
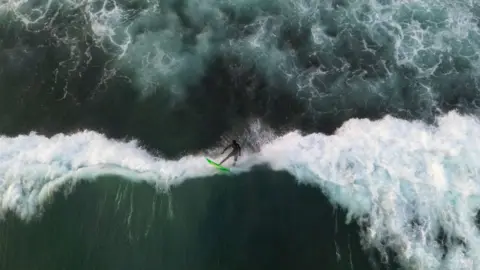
(406, 182)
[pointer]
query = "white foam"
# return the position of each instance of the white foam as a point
(398, 172)
(32, 167)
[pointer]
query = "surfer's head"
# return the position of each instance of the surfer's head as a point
(234, 141)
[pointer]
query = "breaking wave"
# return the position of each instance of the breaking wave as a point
(406, 183)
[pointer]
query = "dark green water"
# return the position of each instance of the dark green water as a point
(261, 220)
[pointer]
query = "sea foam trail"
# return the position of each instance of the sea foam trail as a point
(411, 180)
(331, 55)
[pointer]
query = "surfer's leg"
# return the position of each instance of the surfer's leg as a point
(235, 159)
(229, 156)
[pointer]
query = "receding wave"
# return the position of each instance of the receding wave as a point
(333, 57)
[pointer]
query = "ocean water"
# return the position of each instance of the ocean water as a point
(358, 121)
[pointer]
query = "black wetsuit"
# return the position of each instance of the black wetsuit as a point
(235, 152)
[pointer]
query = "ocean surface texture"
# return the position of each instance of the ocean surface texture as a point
(358, 121)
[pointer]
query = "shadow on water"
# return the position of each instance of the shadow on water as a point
(261, 220)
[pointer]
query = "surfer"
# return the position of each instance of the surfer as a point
(237, 151)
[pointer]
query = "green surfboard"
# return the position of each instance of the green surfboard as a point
(218, 166)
